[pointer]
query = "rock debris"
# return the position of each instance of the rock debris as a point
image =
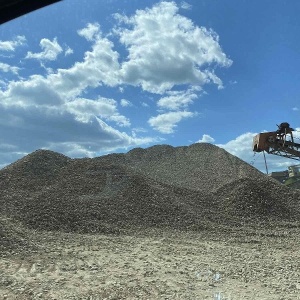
(185, 188)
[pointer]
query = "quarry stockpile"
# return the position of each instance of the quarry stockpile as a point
(13, 238)
(187, 188)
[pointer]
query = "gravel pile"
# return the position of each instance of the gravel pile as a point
(236, 190)
(201, 166)
(40, 168)
(13, 238)
(256, 199)
(162, 186)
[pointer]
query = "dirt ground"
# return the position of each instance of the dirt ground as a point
(240, 264)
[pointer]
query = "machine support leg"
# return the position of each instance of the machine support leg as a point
(266, 162)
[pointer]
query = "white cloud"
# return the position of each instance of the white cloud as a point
(73, 149)
(62, 88)
(4, 146)
(295, 108)
(144, 104)
(3, 84)
(90, 32)
(241, 145)
(177, 99)
(34, 91)
(86, 109)
(11, 45)
(8, 68)
(125, 103)
(167, 49)
(296, 135)
(49, 112)
(120, 120)
(167, 122)
(48, 70)
(100, 66)
(68, 51)
(33, 127)
(106, 139)
(185, 5)
(164, 49)
(51, 49)
(206, 139)
(139, 129)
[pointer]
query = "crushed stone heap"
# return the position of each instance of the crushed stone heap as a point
(185, 188)
(13, 238)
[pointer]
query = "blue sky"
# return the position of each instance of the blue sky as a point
(87, 78)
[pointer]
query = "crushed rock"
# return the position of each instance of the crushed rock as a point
(186, 188)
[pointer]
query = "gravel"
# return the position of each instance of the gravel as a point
(186, 188)
(13, 239)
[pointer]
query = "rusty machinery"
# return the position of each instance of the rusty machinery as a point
(280, 142)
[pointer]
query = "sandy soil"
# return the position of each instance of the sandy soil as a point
(243, 264)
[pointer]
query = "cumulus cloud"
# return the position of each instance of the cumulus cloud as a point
(102, 139)
(125, 103)
(240, 145)
(176, 100)
(8, 68)
(3, 84)
(164, 50)
(13, 44)
(167, 122)
(90, 32)
(100, 66)
(68, 51)
(206, 139)
(297, 132)
(167, 49)
(33, 127)
(87, 109)
(51, 49)
(49, 111)
(34, 91)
